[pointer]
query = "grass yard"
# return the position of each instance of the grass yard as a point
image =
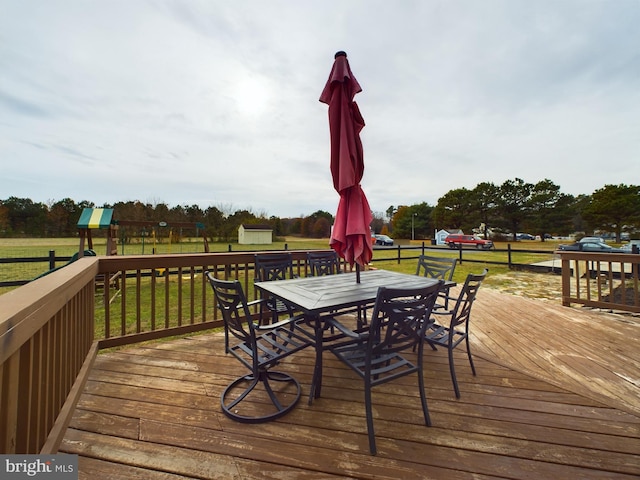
(383, 258)
(66, 247)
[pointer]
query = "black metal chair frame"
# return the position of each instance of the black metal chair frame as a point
(397, 324)
(323, 263)
(441, 268)
(273, 267)
(259, 348)
(451, 335)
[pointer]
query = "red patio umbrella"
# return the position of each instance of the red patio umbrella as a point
(351, 237)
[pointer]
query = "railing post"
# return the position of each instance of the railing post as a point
(460, 253)
(509, 255)
(422, 248)
(399, 255)
(566, 281)
(52, 259)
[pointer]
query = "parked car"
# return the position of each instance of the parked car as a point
(457, 240)
(592, 240)
(383, 240)
(590, 247)
(628, 248)
(524, 236)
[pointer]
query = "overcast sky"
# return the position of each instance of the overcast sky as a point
(215, 102)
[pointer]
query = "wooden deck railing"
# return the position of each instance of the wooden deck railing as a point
(46, 339)
(149, 297)
(608, 281)
(52, 328)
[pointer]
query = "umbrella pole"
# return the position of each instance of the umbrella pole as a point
(357, 272)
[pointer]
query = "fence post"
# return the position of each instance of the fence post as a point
(509, 255)
(52, 259)
(422, 248)
(399, 255)
(460, 253)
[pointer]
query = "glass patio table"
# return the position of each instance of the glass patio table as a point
(326, 295)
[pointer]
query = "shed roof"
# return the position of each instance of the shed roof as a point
(256, 227)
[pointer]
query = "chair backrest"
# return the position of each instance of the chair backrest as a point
(436, 267)
(273, 266)
(233, 306)
(398, 320)
(462, 309)
(323, 263)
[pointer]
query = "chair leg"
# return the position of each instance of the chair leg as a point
(362, 317)
(370, 430)
(423, 398)
(473, 368)
(230, 408)
(452, 368)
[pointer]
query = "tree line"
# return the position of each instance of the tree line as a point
(21, 217)
(514, 206)
(517, 206)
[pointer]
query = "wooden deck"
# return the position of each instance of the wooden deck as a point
(557, 396)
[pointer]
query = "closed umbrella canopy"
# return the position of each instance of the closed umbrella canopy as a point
(351, 237)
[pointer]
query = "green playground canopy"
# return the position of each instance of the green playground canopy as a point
(95, 218)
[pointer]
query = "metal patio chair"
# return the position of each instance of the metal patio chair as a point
(323, 263)
(450, 332)
(271, 267)
(441, 268)
(259, 348)
(375, 355)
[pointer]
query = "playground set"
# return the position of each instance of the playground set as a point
(102, 219)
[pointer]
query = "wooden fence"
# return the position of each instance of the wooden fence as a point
(399, 253)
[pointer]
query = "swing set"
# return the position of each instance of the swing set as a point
(173, 232)
(102, 218)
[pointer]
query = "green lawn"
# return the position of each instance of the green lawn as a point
(383, 258)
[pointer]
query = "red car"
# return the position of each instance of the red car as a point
(458, 241)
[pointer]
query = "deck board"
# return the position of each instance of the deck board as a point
(590, 353)
(557, 399)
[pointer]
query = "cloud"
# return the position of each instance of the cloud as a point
(215, 102)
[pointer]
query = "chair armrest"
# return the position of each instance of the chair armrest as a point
(281, 323)
(332, 322)
(444, 293)
(256, 302)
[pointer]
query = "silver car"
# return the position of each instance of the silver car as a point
(592, 240)
(628, 248)
(590, 246)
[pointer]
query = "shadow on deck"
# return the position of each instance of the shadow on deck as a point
(556, 396)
